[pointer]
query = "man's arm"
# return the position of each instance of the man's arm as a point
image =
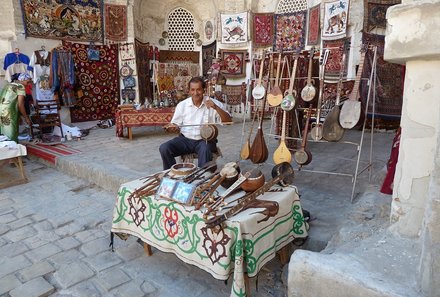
(224, 115)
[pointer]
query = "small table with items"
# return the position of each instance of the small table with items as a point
(10, 151)
(240, 246)
(128, 117)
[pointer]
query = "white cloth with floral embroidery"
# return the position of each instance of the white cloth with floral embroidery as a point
(244, 243)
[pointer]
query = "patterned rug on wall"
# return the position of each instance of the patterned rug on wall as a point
(389, 83)
(98, 81)
(143, 70)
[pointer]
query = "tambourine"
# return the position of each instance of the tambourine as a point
(254, 181)
(181, 169)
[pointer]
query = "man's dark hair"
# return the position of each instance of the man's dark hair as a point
(197, 79)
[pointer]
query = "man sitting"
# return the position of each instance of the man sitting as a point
(189, 115)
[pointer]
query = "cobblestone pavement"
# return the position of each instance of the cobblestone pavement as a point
(55, 229)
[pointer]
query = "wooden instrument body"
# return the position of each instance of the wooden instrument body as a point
(286, 170)
(289, 100)
(230, 172)
(351, 110)
(309, 91)
(303, 156)
(331, 128)
(254, 181)
(282, 153)
(208, 132)
(275, 96)
(259, 91)
(316, 132)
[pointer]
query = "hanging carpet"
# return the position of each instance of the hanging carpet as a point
(375, 13)
(143, 70)
(209, 52)
(389, 83)
(313, 25)
(290, 31)
(98, 81)
(262, 33)
(115, 22)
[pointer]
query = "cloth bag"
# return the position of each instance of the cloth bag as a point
(92, 53)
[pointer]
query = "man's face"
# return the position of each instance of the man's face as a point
(196, 90)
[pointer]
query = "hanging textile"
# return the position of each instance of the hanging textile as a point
(15, 63)
(234, 62)
(62, 77)
(99, 82)
(389, 83)
(335, 19)
(209, 30)
(209, 52)
(40, 61)
(234, 28)
(375, 13)
(143, 70)
(290, 31)
(314, 25)
(333, 65)
(115, 22)
(262, 33)
(63, 19)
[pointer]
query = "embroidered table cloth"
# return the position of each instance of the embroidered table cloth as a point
(244, 243)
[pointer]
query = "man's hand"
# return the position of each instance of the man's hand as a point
(171, 128)
(210, 104)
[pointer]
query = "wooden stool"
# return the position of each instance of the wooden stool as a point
(189, 158)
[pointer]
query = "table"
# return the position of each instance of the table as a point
(10, 151)
(240, 248)
(128, 118)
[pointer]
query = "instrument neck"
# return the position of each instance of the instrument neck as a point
(292, 77)
(355, 92)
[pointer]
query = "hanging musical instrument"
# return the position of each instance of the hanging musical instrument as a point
(309, 91)
(316, 132)
(259, 90)
(303, 156)
(217, 220)
(351, 109)
(331, 128)
(259, 152)
(246, 149)
(282, 153)
(289, 100)
(275, 96)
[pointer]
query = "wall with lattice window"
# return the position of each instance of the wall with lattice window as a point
(180, 30)
(288, 6)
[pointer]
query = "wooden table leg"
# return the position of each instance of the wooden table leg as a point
(130, 135)
(20, 165)
(247, 285)
(147, 249)
(284, 254)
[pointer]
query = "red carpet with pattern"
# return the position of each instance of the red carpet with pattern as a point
(50, 153)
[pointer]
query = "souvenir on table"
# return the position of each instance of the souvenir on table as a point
(335, 19)
(234, 28)
(166, 188)
(289, 31)
(183, 192)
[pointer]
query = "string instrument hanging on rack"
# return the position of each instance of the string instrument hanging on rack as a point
(246, 149)
(331, 128)
(316, 132)
(303, 156)
(259, 152)
(351, 109)
(259, 90)
(282, 153)
(309, 91)
(275, 95)
(289, 100)
(217, 220)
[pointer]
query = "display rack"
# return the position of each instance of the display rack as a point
(371, 82)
